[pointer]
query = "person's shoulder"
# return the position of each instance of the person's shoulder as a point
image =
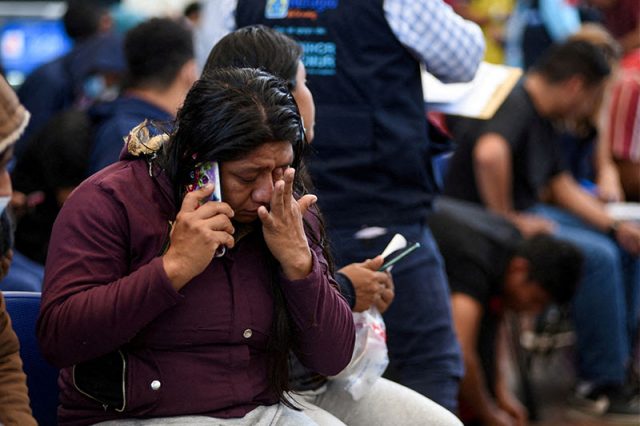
(117, 178)
(517, 101)
(48, 77)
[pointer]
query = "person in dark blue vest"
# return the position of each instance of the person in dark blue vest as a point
(363, 63)
(161, 66)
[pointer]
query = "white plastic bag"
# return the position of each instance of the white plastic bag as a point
(370, 357)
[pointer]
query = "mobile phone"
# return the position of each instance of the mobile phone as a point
(204, 173)
(397, 255)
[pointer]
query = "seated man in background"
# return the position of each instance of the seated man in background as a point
(505, 162)
(159, 55)
(14, 399)
(495, 270)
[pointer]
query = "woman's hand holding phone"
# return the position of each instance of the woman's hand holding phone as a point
(283, 228)
(199, 230)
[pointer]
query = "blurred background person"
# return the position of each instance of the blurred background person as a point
(60, 84)
(53, 164)
(504, 162)
(161, 69)
(621, 123)
(492, 269)
(192, 13)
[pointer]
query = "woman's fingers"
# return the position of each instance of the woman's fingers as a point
(193, 199)
(305, 202)
(277, 199)
(287, 196)
(213, 208)
(220, 223)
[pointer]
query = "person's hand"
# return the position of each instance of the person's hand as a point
(608, 185)
(196, 235)
(5, 263)
(628, 236)
(371, 287)
(283, 228)
(531, 224)
(518, 413)
(610, 191)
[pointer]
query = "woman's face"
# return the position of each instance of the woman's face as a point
(248, 183)
(304, 99)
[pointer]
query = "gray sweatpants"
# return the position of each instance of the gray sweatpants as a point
(386, 404)
(273, 415)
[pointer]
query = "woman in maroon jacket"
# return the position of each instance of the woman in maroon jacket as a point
(145, 321)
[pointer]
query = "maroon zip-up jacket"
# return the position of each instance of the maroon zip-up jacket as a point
(201, 350)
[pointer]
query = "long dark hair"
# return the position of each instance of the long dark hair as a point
(226, 116)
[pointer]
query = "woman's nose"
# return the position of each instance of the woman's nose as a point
(263, 191)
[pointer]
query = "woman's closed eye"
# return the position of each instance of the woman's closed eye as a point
(278, 173)
(248, 178)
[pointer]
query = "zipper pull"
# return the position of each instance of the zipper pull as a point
(150, 163)
(105, 406)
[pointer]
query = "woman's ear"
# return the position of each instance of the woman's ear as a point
(189, 73)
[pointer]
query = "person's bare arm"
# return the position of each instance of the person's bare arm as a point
(492, 168)
(569, 195)
(607, 176)
(467, 314)
(505, 398)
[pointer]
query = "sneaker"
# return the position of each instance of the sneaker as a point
(613, 403)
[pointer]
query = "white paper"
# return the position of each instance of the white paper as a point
(624, 211)
(466, 99)
(397, 242)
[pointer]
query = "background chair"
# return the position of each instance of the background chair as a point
(42, 377)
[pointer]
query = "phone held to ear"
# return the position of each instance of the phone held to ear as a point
(205, 173)
(397, 249)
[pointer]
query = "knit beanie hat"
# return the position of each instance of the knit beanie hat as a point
(13, 116)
